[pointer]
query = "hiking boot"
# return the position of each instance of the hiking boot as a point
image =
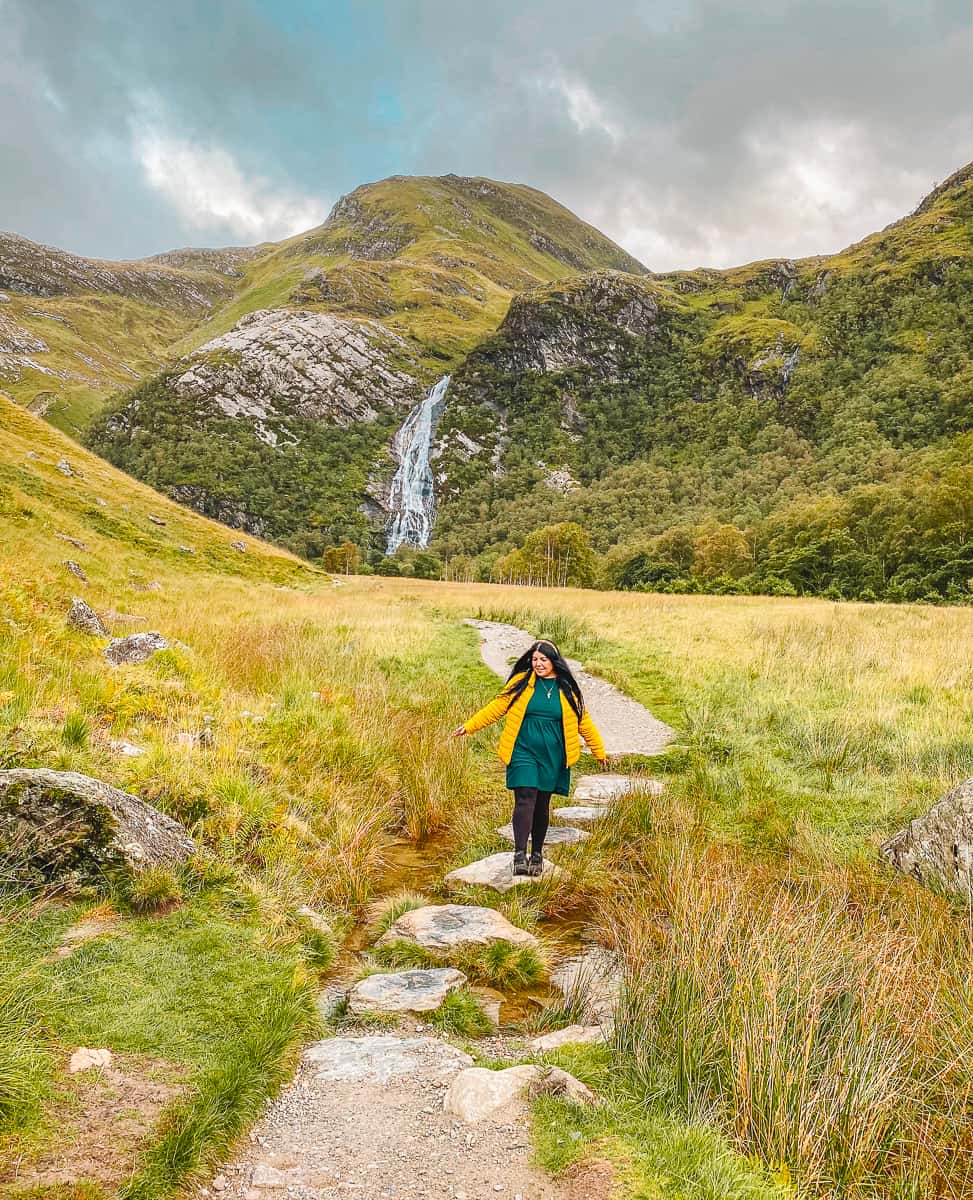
(536, 865)
(520, 863)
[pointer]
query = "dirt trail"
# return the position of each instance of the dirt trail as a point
(364, 1115)
(625, 725)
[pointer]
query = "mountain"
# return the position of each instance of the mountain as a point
(777, 426)
(279, 416)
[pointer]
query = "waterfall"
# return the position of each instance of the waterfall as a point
(412, 500)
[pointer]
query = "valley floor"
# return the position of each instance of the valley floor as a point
(806, 732)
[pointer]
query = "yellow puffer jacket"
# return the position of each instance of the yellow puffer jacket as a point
(501, 707)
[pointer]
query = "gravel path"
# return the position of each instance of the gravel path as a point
(626, 726)
(364, 1118)
(364, 1115)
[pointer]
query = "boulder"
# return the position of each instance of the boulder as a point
(379, 1058)
(63, 827)
(557, 835)
(83, 617)
(478, 1093)
(495, 871)
(76, 569)
(405, 991)
(64, 467)
(135, 648)
(593, 978)
(573, 1035)
(442, 927)
(937, 849)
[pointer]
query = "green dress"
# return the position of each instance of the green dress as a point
(538, 758)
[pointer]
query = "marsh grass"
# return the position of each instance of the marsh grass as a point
(820, 1017)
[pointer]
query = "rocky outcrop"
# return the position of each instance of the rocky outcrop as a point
(937, 849)
(84, 618)
(135, 648)
(64, 828)
(276, 363)
(585, 322)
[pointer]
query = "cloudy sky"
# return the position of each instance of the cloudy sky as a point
(694, 132)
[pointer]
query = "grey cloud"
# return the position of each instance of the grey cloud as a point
(703, 131)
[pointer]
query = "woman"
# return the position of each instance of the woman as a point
(545, 714)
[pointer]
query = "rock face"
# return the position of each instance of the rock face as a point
(443, 926)
(135, 648)
(83, 617)
(406, 991)
(938, 848)
(584, 322)
(276, 363)
(494, 872)
(63, 827)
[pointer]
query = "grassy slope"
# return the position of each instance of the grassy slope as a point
(104, 324)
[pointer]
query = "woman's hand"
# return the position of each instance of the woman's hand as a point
(604, 763)
(459, 731)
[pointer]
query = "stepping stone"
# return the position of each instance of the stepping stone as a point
(595, 978)
(574, 1035)
(581, 812)
(382, 1057)
(557, 835)
(478, 1093)
(404, 991)
(602, 789)
(494, 871)
(443, 926)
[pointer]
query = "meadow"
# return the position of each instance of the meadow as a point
(796, 1018)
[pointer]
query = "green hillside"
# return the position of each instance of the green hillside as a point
(795, 426)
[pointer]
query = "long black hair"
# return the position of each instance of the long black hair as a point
(566, 681)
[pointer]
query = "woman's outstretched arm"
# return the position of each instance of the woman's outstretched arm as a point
(486, 716)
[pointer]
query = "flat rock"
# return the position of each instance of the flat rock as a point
(70, 828)
(443, 926)
(581, 812)
(84, 1059)
(556, 835)
(495, 871)
(595, 979)
(135, 648)
(938, 847)
(120, 746)
(573, 1035)
(601, 789)
(84, 618)
(404, 991)
(380, 1058)
(478, 1094)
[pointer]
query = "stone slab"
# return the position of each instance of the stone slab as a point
(495, 872)
(603, 789)
(380, 1058)
(581, 812)
(557, 835)
(442, 926)
(404, 991)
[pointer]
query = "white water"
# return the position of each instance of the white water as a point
(412, 500)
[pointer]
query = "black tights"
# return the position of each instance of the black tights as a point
(532, 815)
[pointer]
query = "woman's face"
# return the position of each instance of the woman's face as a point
(542, 665)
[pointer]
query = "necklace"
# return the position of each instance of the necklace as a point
(549, 690)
